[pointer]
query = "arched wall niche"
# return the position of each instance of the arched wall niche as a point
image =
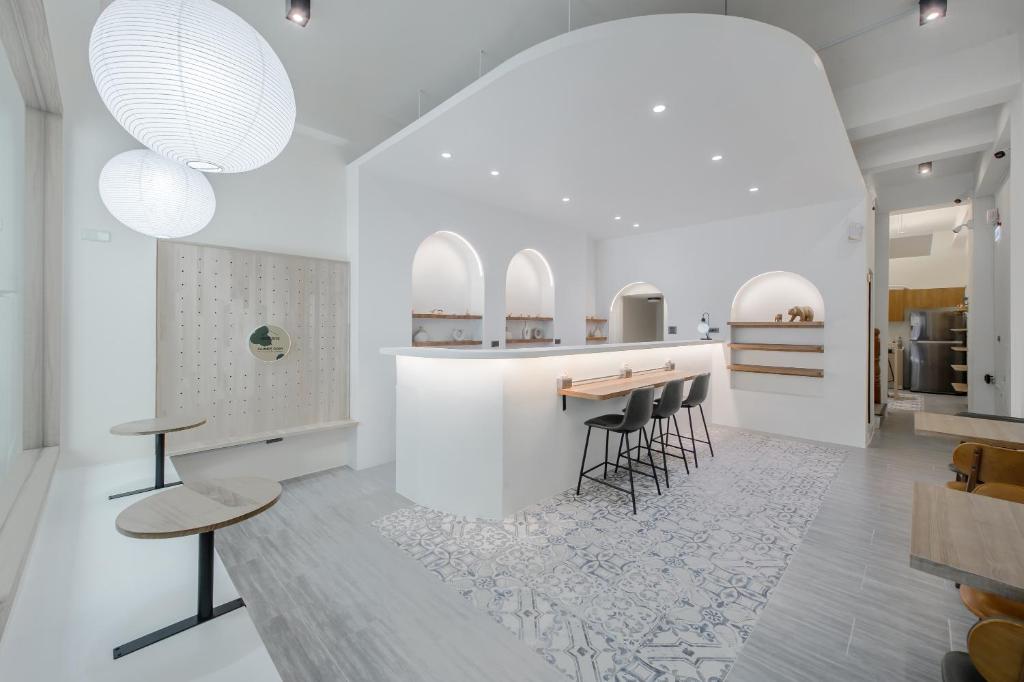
(529, 299)
(447, 291)
(762, 297)
(634, 318)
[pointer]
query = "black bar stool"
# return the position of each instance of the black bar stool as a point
(635, 417)
(698, 394)
(665, 409)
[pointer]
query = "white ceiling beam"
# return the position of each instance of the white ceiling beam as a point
(992, 171)
(924, 194)
(26, 38)
(953, 84)
(943, 139)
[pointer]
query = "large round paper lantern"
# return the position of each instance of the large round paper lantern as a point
(194, 82)
(155, 196)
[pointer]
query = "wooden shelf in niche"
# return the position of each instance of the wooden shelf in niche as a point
(958, 329)
(778, 325)
(959, 388)
(597, 319)
(959, 368)
(445, 316)
(530, 318)
(784, 347)
(445, 344)
(959, 349)
(522, 342)
(597, 338)
(786, 371)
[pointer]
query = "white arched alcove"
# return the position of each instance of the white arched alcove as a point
(777, 356)
(447, 292)
(529, 299)
(637, 314)
(763, 297)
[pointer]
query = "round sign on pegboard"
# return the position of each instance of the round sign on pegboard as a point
(269, 343)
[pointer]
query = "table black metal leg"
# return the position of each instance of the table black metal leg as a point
(158, 475)
(205, 611)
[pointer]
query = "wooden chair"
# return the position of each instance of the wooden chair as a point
(986, 464)
(995, 653)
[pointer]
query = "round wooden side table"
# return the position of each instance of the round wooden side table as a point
(197, 508)
(160, 427)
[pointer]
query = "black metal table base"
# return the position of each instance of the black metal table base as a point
(143, 490)
(205, 609)
(158, 474)
(171, 630)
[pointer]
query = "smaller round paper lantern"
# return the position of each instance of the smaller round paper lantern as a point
(156, 197)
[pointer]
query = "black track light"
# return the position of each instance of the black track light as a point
(297, 11)
(931, 10)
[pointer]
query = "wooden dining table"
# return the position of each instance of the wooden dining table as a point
(971, 429)
(968, 539)
(617, 387)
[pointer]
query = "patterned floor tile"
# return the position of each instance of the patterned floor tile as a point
(670, 593)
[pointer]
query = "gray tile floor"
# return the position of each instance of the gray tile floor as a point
(333, 600)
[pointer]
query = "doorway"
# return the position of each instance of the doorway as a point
(637, 314)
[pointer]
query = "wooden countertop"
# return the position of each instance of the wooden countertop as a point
(606, 389)
(969, 429)
(149, 427)
(198, 507)
(968, 539)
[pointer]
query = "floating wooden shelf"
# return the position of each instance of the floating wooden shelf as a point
(959, 368)
(596, 319)
(787, 371)
(520, 342)
(784, 347)
(597, 338)
(778, 325)
(445, 316)
(445, 344)
(958, 329)
(534, 318)
(959, 349)
(959, 388)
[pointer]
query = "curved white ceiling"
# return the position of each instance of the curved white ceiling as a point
(572, 117)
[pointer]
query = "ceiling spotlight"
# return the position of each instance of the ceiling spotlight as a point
(618, 217)
(924, 168)
(754, 189)
(931, 10)
(495, 173)
(566, 200)
(297, 11)
(659, 108)
(636, 225)
(956, 230)
(446, 155)
(999, 154)
(717, 157)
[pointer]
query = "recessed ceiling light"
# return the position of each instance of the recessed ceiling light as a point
(658, 108)
(717, 157)
(565, 200)
(298, 11)
(930, 10)
(755, 189)
(618, 217)
(924, 168)
(495, 173)
(636, 225)
(446, 155)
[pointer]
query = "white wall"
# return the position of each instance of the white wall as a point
(946, 266)
(981, 397)
(1001, 300)
(387, 222)
(294, 205)
(12, 226)
(700, 268)
(528, 286)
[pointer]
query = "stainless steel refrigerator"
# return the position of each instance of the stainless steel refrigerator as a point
(928, 365)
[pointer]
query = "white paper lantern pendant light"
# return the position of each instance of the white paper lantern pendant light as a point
(194, 82)
(155, 196)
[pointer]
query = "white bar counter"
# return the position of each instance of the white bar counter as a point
(482, 432)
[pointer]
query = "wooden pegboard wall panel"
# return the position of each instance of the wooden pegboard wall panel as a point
(209, 300)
